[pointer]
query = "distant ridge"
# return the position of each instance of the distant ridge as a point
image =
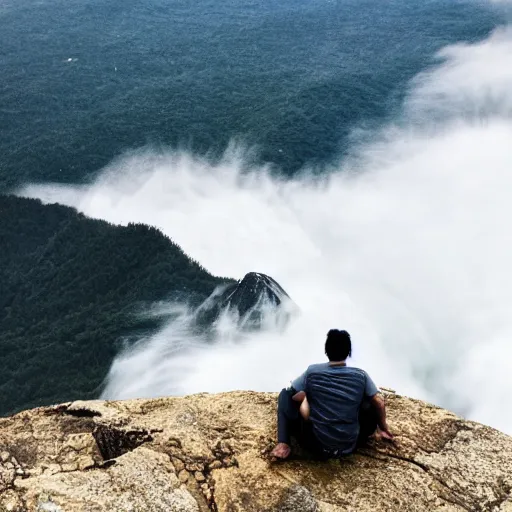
(69, 288)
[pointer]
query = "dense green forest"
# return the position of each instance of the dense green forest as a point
(70, 290)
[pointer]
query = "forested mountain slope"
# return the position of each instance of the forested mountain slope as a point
(70, 288)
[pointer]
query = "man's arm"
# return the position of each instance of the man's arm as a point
(299, 397)
(304, 408)
(371, 391)
(299, 384)
(378, 402)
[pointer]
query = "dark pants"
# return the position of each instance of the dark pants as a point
(291, 423)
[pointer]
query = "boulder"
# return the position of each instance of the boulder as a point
(210, 453)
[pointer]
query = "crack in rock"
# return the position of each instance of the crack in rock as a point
(113, 442)
(82, 413)
(453, 498)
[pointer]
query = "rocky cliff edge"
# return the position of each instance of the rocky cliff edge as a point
(210, 452)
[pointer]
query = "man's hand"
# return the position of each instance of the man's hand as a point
(299, 397)
(387, 435)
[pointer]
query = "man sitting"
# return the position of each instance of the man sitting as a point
(331, 408)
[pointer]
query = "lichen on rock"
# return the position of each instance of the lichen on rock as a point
(210, 453)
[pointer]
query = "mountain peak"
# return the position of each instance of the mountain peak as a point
(252, 301)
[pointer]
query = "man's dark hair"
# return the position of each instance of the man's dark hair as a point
(338, 345)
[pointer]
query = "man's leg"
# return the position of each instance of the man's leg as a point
(368, 421)
(308, 441)
(288, 423)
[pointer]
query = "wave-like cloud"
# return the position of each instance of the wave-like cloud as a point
(407, 245)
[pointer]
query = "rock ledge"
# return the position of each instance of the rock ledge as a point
(209, 453)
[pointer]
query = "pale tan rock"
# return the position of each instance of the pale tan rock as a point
(199, 476)
(506, 506)
(133, 456)
(7, 476)
(216, 464)
(183, 476)
(139, 480)
(11, 501)
(52, 469)
(178, 464)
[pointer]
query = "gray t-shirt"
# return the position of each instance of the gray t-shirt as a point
(335, 394)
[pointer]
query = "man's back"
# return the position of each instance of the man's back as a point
(335, 393)
(331, 395)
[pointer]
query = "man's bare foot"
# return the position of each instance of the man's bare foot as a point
(281, 451)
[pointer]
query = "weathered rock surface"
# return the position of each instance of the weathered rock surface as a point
(210, 452)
